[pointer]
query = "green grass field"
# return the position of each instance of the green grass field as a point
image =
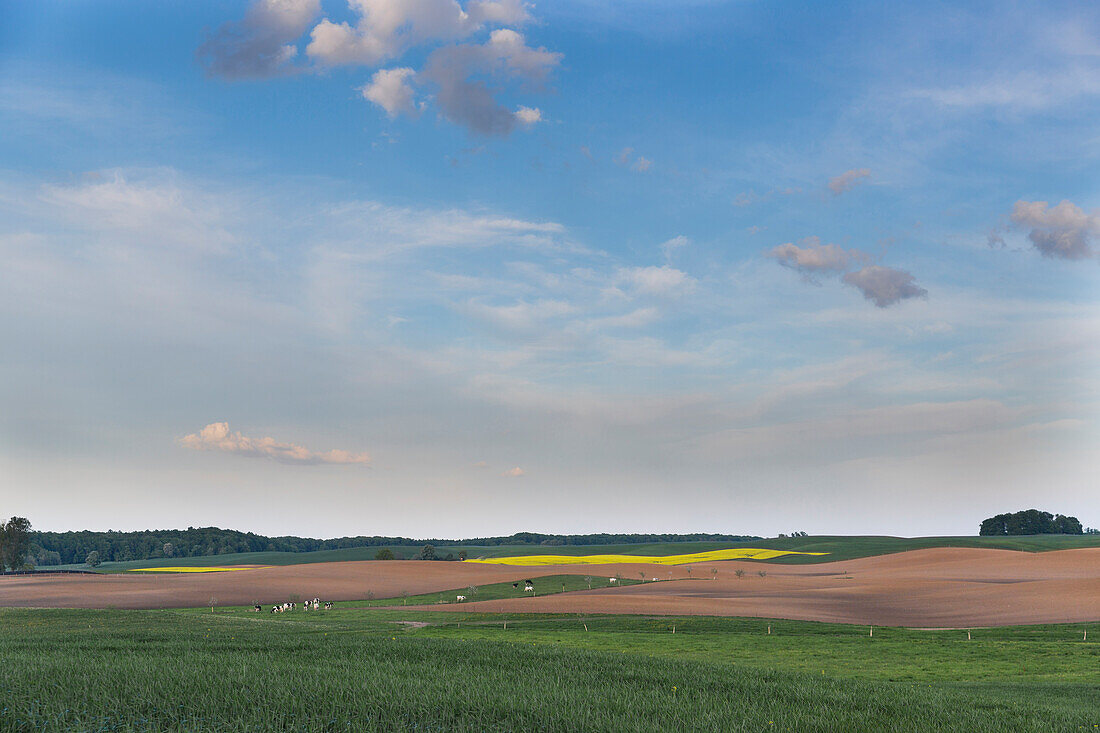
(392, 669)
(838, 548)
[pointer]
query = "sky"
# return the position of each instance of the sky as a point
(442, 268)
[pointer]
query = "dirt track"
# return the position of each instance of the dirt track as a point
(942, 587)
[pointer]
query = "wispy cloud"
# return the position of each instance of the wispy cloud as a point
(848, 180)
(217, 437)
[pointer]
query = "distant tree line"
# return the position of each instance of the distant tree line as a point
(1030, 521)
(63, 548)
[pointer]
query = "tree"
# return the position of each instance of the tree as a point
(714, 573)
(427, 552)
(168, 549)
(641, 574)
(588, 579)
(461, 554)
(739, 573)
(15, 543)
(384, 554)
(92, 560)
(1029, 521)
(762, 573)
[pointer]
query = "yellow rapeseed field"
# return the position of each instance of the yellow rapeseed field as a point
(740, 553)
(189, 570)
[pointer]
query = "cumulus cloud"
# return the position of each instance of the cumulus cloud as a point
(642, 164)
(263, 45)
(654, 280)
(848, 180)
(884, 286)
(217, 437)
(388, 28)
(514, 472)
(390, 90)
(463, 95)
(1064, 231)
(260, 45)
(814, 258)
(528, 115)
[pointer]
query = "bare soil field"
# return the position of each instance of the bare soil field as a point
(942, 587)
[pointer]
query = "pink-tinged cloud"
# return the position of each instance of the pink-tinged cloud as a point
(216, 437)
(848, 180)
(514, 472)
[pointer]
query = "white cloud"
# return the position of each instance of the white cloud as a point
(884, 286)
(514, 472)
(388, 28)
(670, 246)
(262, 44)
(814, 258)
(641, 164)
(528, 115)
(390, 90)
(654, 280)
(216, 437)
(1064, 231)
(848, 180)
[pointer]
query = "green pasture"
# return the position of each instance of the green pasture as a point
(390, 669)
(837, 547)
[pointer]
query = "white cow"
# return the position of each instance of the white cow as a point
(460, 598)
(612, 580)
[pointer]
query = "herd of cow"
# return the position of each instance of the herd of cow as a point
(314, 605)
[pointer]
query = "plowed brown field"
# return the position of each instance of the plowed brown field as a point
(944, 587)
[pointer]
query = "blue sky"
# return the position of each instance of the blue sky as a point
(430, 268)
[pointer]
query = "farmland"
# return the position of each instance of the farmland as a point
(834, 547)
(353, 669)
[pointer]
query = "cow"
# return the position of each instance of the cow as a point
(515, 585)
(256, 607)
(460, 599)
(612, 580)
(329, 605)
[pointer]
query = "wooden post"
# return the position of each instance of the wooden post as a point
(769, 628)
(674, 628)
(505, 625)
(1086, 636)
(872, 631)
(968, 634)
(585, 627)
